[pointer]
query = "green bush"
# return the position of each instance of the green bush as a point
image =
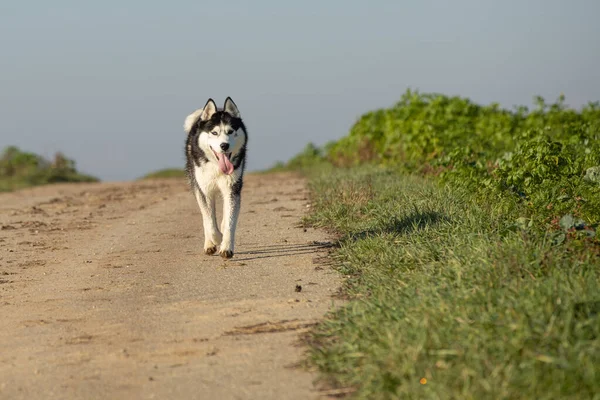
(540, 157)
(19, 169)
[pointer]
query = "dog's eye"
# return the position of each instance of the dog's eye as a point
(230, 132)
(215, 133)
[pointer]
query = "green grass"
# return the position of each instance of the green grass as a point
(20, 169)
(459, 292)
(166, 173)
(470, 250)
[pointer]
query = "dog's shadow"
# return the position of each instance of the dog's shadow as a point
(282, 250)
(413, 222)
(399, 226)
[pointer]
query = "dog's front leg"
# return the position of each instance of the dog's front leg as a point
(212, 236)
(231, 211)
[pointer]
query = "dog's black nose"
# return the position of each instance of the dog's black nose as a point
(224, 146)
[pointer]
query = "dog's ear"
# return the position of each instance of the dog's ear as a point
(202, 113)
(209, 109)
(231, 108)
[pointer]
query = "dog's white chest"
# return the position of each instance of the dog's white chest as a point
(210, 178)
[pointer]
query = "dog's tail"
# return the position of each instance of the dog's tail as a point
(191, 120)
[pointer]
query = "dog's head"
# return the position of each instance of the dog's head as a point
(221, 133)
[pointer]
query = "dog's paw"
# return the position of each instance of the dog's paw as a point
(210, 250)
(226, 253)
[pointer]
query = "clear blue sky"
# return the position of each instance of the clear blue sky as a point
(110, 82)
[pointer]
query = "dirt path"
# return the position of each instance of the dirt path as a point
(105, 294)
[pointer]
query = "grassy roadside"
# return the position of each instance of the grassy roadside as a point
(450, 298)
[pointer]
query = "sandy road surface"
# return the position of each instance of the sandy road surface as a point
(105, 294)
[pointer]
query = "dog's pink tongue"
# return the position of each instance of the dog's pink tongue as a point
(224, 163)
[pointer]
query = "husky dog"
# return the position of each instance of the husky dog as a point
(215, 161)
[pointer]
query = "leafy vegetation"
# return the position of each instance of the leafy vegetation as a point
(19, 169)
(541, 157)
(468, 239)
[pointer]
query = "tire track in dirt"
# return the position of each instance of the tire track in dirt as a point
(105, 293)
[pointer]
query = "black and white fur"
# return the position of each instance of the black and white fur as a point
(216, 135)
